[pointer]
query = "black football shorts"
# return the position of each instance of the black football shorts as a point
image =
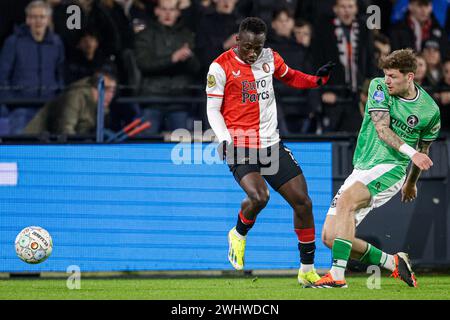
(276, 164)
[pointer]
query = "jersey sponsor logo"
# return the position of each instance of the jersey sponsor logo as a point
(236, 74)
(252, 86)
(395, 123)
(211, 81)
(378, 96)
(412, 121)
(266, 67)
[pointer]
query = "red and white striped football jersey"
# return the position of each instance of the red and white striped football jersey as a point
(248, 100)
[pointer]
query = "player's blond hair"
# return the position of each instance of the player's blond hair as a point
(403, 60)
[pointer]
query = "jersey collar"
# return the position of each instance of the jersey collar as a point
(413, 99)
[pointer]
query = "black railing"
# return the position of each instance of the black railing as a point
(196, 99)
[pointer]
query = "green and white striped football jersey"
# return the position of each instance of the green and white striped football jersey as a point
(412, 120)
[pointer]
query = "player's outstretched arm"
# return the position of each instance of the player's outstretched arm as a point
(299, 80)
(381, 121)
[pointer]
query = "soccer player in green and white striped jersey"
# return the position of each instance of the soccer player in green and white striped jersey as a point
(400, 122)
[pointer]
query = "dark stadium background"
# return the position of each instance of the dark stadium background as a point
(421, 228)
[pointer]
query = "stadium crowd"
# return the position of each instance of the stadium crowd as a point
(162, 50)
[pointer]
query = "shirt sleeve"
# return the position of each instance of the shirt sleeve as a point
(432, 131)
(377, 97)
(295, 78)
(216, 79)
(281, 67)
(215, 87)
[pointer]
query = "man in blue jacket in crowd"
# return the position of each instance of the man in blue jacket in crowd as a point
(31, 63)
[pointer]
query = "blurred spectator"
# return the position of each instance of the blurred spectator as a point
(206, 3)
(86, 60)
(363, 94)
(32, 58)
(443, 97)
(439, 9)
(418, 26)
(315, 11)
(421, 73)
(303, 32)
(94, 16)
(432, 56)
(165, 57)
(192, 11)
(75, 110)
(293, 117)
(264, 9)
(281, 38)
(140, 13)
(116, 9)
(382, 47)
(217, 32)
(345, 40)
(31, 63)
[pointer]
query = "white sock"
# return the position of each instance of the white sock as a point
(240, 236)
(306, 267)
(338, 269)
(387, 261)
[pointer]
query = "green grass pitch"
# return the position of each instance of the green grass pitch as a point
(245, 288)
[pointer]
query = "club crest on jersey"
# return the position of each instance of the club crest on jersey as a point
(412, 121)
(378, 96)
(266, 67)
(211, 81)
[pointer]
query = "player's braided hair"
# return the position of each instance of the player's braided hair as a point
(254, 25)
(403, 60)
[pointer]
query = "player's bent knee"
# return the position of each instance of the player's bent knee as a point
(328, 242)
(327, 238)
(302, 202)
(259, 198)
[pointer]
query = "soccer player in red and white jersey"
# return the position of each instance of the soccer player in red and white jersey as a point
(242, 112)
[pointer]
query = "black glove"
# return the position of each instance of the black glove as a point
(324, 71)
(223, 148)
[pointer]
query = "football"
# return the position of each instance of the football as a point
(33, 245)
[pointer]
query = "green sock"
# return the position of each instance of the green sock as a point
(341, 252)
(372, 256)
